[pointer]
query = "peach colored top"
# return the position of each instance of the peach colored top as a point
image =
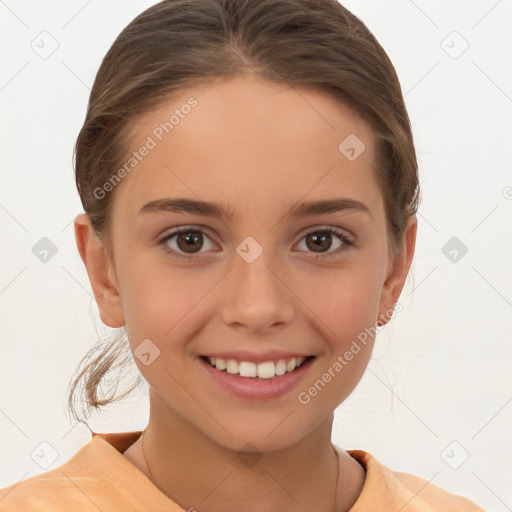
(100, 478)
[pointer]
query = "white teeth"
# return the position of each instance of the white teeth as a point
(231, 366)
(290, 365)
(281, 367)
(266, 370)
(246, 369)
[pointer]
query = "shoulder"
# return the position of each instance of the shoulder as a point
(48, 491)
(83, 483)
(403, 491)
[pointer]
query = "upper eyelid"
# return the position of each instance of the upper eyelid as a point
(180, 229)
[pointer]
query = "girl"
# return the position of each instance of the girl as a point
(272, 135)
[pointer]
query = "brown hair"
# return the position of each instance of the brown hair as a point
(180, 43)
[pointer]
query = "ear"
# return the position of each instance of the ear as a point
(399, 268)
(101, 272)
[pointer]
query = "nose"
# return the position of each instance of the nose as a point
(257, 298)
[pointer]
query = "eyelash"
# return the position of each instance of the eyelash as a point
(187, 229)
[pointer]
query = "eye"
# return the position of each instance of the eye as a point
(189, 241)
(321, 240)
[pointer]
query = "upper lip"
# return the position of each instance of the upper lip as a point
(256, 357)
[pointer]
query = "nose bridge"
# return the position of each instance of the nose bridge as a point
(256, 297)
(252, 264)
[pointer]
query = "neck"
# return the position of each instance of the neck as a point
(199, 474)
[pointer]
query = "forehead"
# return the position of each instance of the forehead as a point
(247, 138)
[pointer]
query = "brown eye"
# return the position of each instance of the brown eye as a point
(320, 241)
(185, 241)
(189, 241)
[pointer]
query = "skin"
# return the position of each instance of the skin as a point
(259, 147)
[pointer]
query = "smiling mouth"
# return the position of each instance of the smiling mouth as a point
(264, 370)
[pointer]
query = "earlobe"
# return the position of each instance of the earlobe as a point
(100, 271)
(400, 266)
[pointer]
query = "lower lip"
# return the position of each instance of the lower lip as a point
(253, 388)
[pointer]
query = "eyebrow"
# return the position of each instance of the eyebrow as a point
(214, 209)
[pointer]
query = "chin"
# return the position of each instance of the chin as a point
(262, 436)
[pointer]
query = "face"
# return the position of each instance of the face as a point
(273, 280)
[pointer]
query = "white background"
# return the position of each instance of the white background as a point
(440, 371)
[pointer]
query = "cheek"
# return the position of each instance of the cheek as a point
(344, 300)
(345, 303)
(162, 307)
(157, 296)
